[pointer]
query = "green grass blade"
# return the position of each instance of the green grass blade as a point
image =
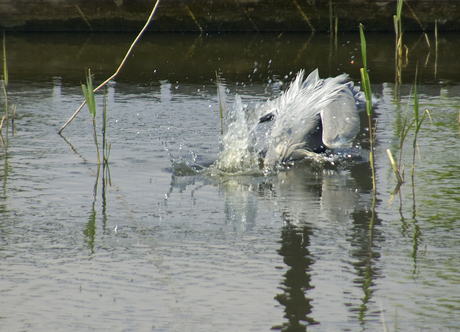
(91, 102)
(404, 133)
(363, 46)
(5, 68)
(395, 23)
(89, 94)
(222, 105)
(366, 84)
(399, 10)
(104, 114)
(364, 75)
(416, 98)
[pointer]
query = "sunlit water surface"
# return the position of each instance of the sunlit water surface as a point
(171, 244)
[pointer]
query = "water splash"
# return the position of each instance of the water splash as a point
(308, 120)
(246, 141)
(238, 153)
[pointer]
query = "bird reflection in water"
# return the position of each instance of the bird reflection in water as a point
(294, 249)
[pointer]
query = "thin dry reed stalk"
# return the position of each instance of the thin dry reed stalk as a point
(119, 67)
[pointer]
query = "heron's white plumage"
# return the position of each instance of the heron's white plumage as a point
(297, 116)
(310, 116)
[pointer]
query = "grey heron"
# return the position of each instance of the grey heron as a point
(312, 115)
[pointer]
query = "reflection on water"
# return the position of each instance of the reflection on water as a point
(294, 249)
(170, 244)
(306, 198)
(242, 58)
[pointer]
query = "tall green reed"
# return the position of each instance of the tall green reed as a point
(5, 86)
(398, 26)
(119, 67)
(397, 91)
(398, 47)
(5, 67)
(366, 84)
(406, 126)
(333, 21)
(91, 102)
(222, 104)
(8, 108)
(436, 48)
(106, 147)
(417, 122)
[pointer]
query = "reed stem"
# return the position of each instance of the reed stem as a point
(398, 48)
(394, 166)
(119, 67)
(5, 88)
(436, 48)
(91, 102)
(222, 105)
(368, 93)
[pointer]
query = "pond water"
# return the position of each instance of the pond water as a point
(163, 244)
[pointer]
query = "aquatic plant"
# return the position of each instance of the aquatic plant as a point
(91, 102)
(333, 19)
(106, 147)
(6, 117)
(194, 18)
(5, 68)
(405, 128)
(395, 168)
(399, 172)
(304, 16)
(222, 104)
(5, 85)
(436, 48)
(91, 228)
(398, 26)
(119, 67)
(417, 121)
(366, 84)
(398, 47)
